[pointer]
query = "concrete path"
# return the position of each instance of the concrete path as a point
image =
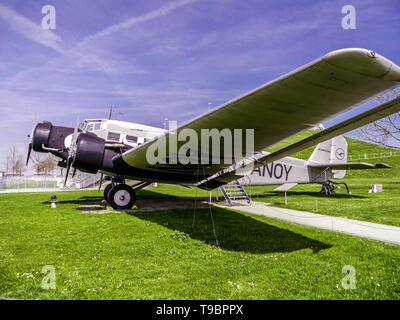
(359, 228)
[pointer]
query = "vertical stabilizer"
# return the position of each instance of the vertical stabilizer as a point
(331, 151)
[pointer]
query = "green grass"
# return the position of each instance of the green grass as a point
(155, 255)
(361, 205)
(355, 147)
(380, 207)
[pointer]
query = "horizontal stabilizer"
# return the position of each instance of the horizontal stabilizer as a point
(349, 166)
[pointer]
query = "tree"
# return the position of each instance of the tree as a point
(14, 161)
(386, 131)
(37, 163)
(49, 163)
(43, 164)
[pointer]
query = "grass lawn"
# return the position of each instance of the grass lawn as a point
(157, 255)
(373, 207)
(382, 207)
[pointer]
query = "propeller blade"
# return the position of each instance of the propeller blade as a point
(73, 173)
(69, 162)
(100, 183)
(75, 134)
(29, 153)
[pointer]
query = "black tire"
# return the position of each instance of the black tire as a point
(107, 190)
(121, 197)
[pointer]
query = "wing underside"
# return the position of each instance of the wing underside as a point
(276, 111)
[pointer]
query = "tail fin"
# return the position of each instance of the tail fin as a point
(331, 151)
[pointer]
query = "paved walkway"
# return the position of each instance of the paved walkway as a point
(359, 228)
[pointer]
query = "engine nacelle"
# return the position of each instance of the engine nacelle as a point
(89, 153)
(41, 136)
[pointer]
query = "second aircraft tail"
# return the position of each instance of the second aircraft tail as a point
(330, 151)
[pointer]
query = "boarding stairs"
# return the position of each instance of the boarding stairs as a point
(234, 191)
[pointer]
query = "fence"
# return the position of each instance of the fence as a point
(373, 155)
(23, 182)
(34, 183)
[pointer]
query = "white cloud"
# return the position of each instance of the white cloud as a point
(161, 11)
(87, 45)
(29, 29)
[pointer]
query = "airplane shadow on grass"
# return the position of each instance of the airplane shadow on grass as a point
(79, 201)
(235, 231)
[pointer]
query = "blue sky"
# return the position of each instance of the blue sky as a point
(164, 59)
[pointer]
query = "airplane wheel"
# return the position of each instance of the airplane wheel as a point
(107, 191)
(121, 197)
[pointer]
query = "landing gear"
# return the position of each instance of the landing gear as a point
(121, 197)
(328, 187)
(107, 190)
(339, 183)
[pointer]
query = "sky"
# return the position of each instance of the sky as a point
(165, 59)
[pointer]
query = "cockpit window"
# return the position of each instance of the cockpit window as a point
(112, 136)
(82, 126)
(90, 127)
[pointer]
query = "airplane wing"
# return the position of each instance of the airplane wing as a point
(264, 158)
(278, 110)
(349, 166)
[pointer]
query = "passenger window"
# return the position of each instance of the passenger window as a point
(113, 136)
(90, 127)
(131, 139)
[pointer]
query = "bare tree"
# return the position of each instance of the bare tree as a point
(386, 131)
(37, 161)
(49, 163)
(43, 164)
(14, 161)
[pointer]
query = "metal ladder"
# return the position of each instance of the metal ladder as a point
(233, 192)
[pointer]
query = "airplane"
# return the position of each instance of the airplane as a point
(327, 161)
(273, 112)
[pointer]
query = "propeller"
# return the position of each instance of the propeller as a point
(29, 153)
(72, 151)
(30, 145)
